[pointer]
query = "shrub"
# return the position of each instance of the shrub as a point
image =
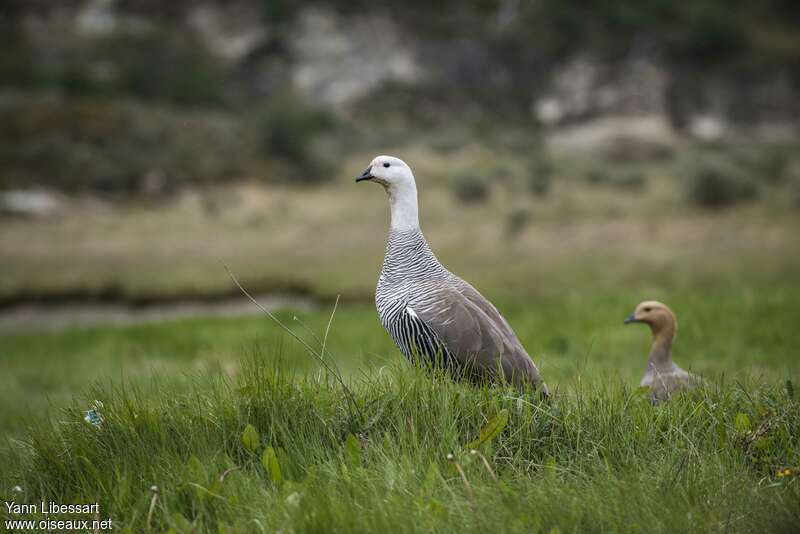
(517, 220)
(540, 174)
(771, 164)
(715, 182)
(291, 132)
(628, 149)
(625, 179)
(17, 65)
(470, 187)
(597, 176)
(156, 64)
(794, 187)
(110, 147)
(628, 180)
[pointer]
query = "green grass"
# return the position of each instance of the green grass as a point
(598, 458)
(177, 398)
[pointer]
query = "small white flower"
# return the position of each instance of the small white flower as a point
(17, 489)
(450, 456)
(93, 417)
(154, 488)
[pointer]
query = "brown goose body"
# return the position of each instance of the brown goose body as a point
(662, 376)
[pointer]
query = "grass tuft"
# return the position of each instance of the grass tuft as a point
(278, 448)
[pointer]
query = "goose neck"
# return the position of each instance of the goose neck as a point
(405, 210)
(661, 348)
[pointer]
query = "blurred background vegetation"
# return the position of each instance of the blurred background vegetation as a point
(121, 97)
(130, 129)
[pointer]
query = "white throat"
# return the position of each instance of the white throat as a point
(403, 202)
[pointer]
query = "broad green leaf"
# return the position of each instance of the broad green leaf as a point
(492, 428)
(283, 460)
(742, 423)
(250, 438)
(181, 523)
(388, 443)
(764, 445)
(215, 487)
(197, 477)
(435, 507)
(722, 434)
(550, 466)
(197, 471)
(270, 462)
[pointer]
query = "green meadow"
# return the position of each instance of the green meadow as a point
(231, 425)
(235, 424)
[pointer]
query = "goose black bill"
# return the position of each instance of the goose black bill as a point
(630, 319)
(366, 175)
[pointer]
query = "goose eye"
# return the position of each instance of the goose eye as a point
(386, 165)
(647, 309)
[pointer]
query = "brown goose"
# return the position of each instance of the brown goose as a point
(662, 376)
(431, 314)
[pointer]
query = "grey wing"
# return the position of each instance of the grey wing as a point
(476, 335)
(664, 385)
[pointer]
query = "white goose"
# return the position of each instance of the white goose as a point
(431, 314)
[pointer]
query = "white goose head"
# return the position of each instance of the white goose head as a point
(389, 171)
(398, 180)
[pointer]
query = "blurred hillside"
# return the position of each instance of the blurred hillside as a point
(141, 96)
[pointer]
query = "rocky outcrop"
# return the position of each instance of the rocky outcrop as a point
(30, 203)
(338, 59)
(336, 54)
(584, 88)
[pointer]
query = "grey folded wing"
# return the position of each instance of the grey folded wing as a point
(476, 335)
(664, 385)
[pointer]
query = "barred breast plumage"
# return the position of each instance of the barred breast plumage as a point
(408, 280)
